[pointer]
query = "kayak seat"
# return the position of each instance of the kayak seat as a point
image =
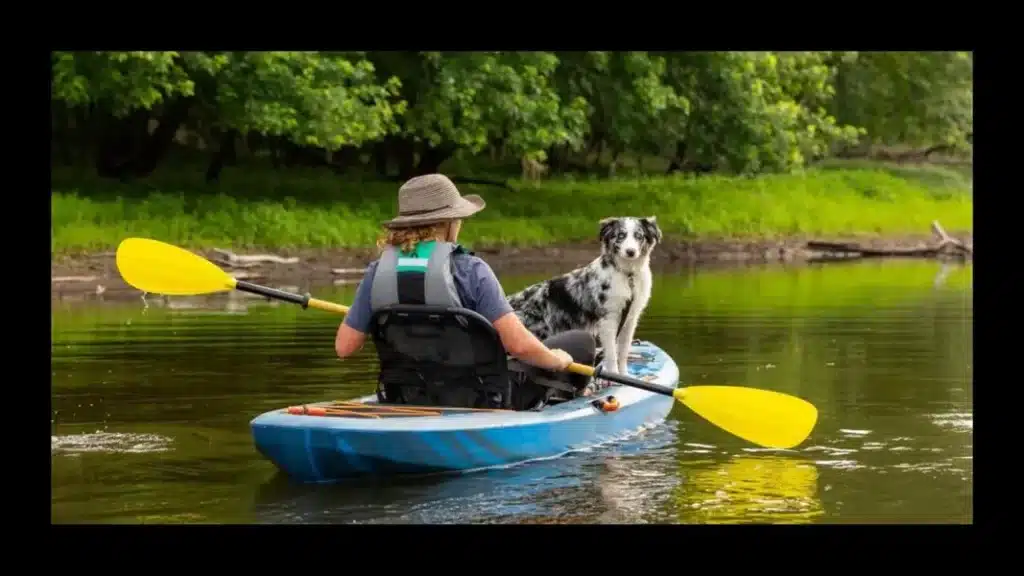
(535, 388)
(440, 356)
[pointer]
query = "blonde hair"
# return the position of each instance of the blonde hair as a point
(406, 239)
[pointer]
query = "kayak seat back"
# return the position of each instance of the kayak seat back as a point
(439, 356)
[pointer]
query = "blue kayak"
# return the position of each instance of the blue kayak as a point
(331, 441)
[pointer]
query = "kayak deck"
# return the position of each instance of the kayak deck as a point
(333, 440)
(369, 408)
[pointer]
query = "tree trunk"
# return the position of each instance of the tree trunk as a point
(117, 141)
(157, 144)
(431, 159)
(404, 153)
(678, 158)
(225, 154)
(616, 152)
(380, 158)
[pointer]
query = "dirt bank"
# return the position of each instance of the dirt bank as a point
(95, 275)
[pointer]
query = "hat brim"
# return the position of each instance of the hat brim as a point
(465, 207)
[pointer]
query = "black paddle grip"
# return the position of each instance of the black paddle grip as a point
(273, 293)
(634, 382)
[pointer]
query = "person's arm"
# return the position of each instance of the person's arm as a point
(492, 304)
(352, 331)
(348, 341)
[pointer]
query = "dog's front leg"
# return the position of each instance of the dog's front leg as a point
(606, 338)
(624, 342)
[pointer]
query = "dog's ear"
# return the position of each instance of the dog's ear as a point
(651, 228)
(607, 225)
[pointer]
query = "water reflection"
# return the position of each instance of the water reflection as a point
(616, 488)
(635, 490)
(482, 497)
(628, 481)
(763, 488)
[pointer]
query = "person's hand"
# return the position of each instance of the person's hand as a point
(564, 359)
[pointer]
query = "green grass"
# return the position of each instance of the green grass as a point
(276, 209)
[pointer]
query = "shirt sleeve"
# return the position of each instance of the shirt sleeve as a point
(358, 317)
(491, 302)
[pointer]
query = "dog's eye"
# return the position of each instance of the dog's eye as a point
(638, 236)
(621, 235)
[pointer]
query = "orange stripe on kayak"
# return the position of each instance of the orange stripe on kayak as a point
(350, 403)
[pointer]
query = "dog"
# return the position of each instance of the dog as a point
(606, 297)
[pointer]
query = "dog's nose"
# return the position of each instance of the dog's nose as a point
(630, 252)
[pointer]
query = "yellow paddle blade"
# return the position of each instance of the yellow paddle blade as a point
(160, 268)
(764, 417)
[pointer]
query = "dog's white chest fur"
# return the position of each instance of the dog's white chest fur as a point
(628, 293)
(622, 290)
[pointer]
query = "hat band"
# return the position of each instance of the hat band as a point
(418, 212)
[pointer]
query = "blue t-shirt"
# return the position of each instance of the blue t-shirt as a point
(478, 288)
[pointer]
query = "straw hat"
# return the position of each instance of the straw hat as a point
(430, 199)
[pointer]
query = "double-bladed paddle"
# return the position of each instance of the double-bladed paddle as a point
(764, 417)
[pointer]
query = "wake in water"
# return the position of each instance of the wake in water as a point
(110, 442)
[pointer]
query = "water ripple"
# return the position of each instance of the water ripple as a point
(112, 442)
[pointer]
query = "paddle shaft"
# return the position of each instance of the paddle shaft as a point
(621, 379)
(304, 300)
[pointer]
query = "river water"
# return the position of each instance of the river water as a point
(151, 402)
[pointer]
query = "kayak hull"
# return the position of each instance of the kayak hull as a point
(363, 438)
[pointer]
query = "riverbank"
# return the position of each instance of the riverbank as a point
(86, 275)
(320, 224)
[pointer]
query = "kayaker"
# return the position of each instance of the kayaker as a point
(413, 268)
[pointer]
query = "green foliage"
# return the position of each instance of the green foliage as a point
(627, 93)
(738, 112)
(268, 210)
(758, 111)
(469, 99)
(915, 98)
(120, 82)
(312, 98)
(317, 100)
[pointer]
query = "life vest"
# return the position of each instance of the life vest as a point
(432, 359)
(436, 359)
(423, 277)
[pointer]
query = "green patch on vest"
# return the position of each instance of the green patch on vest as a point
(419, 258)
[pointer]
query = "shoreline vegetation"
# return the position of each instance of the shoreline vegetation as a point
(253, 209)
(743, 156)
(254, 224)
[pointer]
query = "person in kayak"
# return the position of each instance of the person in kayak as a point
(421, 264)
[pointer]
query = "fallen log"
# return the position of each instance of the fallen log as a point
(945, 240)
(229, 258)
(946, 246)
(247, 275)
(343, 271)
